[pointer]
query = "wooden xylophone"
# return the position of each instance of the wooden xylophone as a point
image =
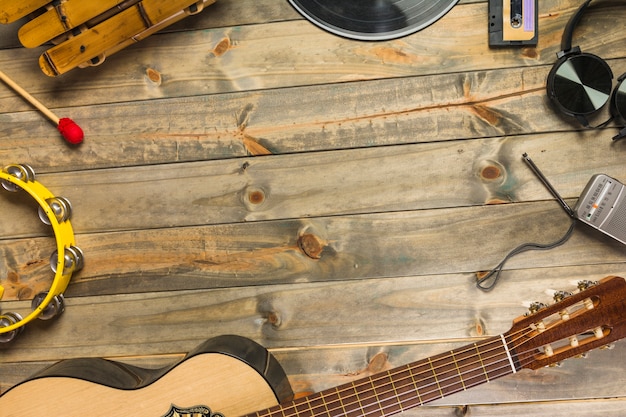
(84, 33)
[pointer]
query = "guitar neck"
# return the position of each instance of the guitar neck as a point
(407, 386)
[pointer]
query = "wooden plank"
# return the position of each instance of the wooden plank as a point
(320, 118)
(323, 249)
(399, 178)
(366, 226)
(600, 408)
(324, 364)
(407, 308)
(332, 365)
(250, 58)
(323, 367)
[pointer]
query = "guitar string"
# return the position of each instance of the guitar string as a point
(352, 389)
(415, 400)
(361, 399)
(461, 384)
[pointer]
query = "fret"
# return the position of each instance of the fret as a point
(482, 363)
(471, 366)
(357, 397)
(275, 411)
(396, 393)
(496, 358)
(303, 407)
(317, 404)
(456, 365)
(325, 402)
(350, 400)
(407, 386)
(343, 407)
(376, 396)
(366, 398)
(386, 393)
(427, 387)
(432, 368)
(414, 383)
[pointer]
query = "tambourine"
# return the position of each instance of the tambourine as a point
(55, 212)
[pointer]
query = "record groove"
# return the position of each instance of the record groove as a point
(373, 19)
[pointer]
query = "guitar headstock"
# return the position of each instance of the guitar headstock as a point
(593, 317)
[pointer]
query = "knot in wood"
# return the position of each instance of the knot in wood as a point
(13, 277)
(222, 47)
(462, 411)
(256, 197)
(378, 363)
(25, 293)
(491, 172)
(274, 319)
(311, 245)
(154, 76)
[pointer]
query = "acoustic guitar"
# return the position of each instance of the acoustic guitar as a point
(231, 376)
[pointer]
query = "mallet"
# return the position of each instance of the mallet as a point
(70, 131)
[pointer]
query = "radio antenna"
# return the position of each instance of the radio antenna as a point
(549, 186)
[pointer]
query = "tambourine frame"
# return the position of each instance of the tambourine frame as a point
(64, 236)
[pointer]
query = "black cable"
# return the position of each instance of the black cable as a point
(495, 272)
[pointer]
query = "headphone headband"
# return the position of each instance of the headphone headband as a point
(66, 259)
(568, 33)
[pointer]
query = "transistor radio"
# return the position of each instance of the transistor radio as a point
(601, 205)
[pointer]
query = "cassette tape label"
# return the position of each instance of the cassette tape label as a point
(513, 22)
(529, 10)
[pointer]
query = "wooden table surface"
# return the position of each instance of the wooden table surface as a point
(245, 172)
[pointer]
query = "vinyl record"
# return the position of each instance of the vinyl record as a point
(373, 20)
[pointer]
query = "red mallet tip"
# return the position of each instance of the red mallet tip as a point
(70, 131)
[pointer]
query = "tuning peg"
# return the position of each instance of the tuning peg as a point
(535, 307)
(607, 347)
(584, 284)
(561, 295)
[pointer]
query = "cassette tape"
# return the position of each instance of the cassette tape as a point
(513, 22)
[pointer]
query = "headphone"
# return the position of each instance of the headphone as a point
(580, 84)
(53, 211)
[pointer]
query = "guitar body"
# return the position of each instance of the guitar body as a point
(227, 375)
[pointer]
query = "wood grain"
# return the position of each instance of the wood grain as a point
(255, 61)
(245, 172)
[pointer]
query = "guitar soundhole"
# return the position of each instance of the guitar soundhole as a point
(195, 411)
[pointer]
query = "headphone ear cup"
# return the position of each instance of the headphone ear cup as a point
(618, 100)
(580, 84)
(618, 105)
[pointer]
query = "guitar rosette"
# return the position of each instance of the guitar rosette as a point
(55, 212)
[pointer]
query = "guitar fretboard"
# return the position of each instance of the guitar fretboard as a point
(407, 386)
